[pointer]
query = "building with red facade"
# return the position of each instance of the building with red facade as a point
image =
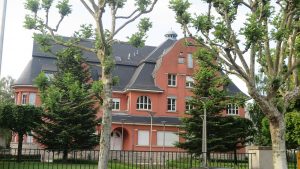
(148, 102)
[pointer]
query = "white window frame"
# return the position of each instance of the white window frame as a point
(188, 106)
(232, 109)
(143, 103)
(190, 62)
(172, 104)
(32, 98)
(143, 138)
(24, 98)
(116, 104)
(172, 80)
(167, 138)
(181, 60)
(189, 82)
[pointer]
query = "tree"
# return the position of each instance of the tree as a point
(20, 119)
(6, 91)
(268, 40)
(261, 124)
(210, 88)
(6, 96)
(293, 129)
(103, 37)
(69, 118)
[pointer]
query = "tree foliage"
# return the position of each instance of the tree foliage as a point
(293, 129)
(6, 91)
(6, 96)
(103, 38)
(69, 105)
(267, 42)
(20, 119)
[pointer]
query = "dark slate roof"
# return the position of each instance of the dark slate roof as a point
(145, 119)
(161, 49)
(124, 53)
(142, 78)
(33, 69)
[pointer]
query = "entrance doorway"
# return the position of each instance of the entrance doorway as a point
(116, 140)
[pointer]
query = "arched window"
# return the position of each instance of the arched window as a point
(143, 103)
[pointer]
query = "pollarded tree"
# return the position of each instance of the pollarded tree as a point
(69, 118)
(104, 38)
(20, 119)
(268, 39)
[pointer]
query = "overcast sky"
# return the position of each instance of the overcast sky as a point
(18, 41)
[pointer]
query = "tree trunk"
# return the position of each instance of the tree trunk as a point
(20, 144)
(65, 155)
(106, 121)
(235, 157)
(277, 129)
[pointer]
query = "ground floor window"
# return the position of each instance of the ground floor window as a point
(167, 138)
(143, 137)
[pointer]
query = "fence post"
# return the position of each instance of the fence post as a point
(261, 157)
(298, 160)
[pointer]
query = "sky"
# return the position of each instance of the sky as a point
(18, 42)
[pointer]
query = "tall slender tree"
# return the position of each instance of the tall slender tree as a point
(210, 90)
(103, 37)
(268, 39)
(69, 105)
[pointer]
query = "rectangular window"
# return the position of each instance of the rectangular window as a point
(24, 98)
(167, 138)
(188, 106)
(32, 97)
(172, 104)
(190, 63)
(143, 137)
(232, 109)
(116, 104)
(29, 139)
(171, 80)
(180, 60)
(189, 82)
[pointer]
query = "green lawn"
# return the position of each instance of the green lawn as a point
(179, 164)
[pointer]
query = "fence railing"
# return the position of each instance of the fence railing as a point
(88, 159)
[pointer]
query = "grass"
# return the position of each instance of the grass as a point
(175, 164)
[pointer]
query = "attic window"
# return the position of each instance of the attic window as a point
(180, 60)
(118, 58)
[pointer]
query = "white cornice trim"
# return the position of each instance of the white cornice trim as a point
(142, 90)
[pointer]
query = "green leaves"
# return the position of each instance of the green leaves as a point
(64, 8)
(180, 7)
(202, 23)
(32, 5)
(46, 4)
(30, 23)
(253, 30)
(138, 39)
(142, 4)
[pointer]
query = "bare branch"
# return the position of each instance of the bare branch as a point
(236, 46)
(135, 17)
(87, 7)
(247, 5)
(292, 95)
(127, 17)
(289, 72)
(95, 7)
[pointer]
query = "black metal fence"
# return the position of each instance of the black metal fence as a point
(87, 159)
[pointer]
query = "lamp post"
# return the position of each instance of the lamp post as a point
(122, 122)
(164, 135)
(204, 136)
(150, 142)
